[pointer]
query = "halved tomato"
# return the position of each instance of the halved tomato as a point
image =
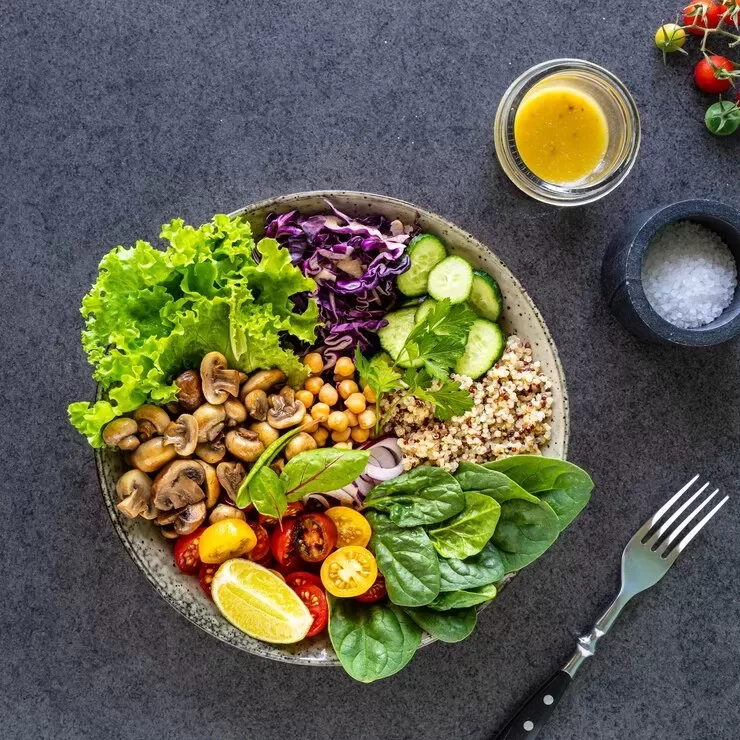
(313, 597)
(294, 509)
(352, 527)
(187, 558)
(301, 578)
(376, 592)
(283, 546)
(205, 576)
(315, 537)
(262, 548)
(349, 571)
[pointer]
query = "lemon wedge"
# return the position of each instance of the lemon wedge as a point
(257, 602)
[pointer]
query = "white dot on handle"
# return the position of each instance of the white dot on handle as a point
(528, 725)
(548, 699)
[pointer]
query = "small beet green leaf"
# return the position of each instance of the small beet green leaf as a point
(267, 493)
(321, 471)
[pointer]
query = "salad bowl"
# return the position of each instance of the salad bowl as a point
(153, 555)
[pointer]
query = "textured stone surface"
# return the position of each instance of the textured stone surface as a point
(118, 116)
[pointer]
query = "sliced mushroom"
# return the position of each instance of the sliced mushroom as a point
(236, 413)
(300, 443)
(167, 517)
(190, 518)
(278, 465)
(152, 455)
(263, 380)
(244, 444)
(255, 403)
(242, 377)
(190, 393)
(211, 486)
(152, 421)
(211, 452)
(210, 418)
(265, 432)
(218, 381)
(230, 475)
(179, 484)
(224, 511)
(169, 532)
(134, 490)
(283, 414)
(173, 408)
(288, 394)
(121, 433)
(182, 434)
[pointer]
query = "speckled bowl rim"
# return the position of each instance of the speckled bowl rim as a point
(278, 652)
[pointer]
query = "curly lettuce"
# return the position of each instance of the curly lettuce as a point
(153, 313)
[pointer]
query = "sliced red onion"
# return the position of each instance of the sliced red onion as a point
(386, 460)
(317, 497)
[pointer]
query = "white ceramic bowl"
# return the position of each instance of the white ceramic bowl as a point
(153, 554)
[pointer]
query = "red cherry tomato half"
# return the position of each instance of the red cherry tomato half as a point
(315, 537)
(313, 597)
(293, 509)
(283, 546)
(186, 554)
(376, 592)
(705, 74)
(205, 576)
(302, 578)
(701, 14)
(262, 548)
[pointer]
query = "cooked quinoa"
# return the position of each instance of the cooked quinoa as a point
(511, 416)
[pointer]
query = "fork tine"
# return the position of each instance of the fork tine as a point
(697, 528)
(672, 518)
(655, 518)
(685, 523)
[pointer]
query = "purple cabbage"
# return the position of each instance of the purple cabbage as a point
(354, 263)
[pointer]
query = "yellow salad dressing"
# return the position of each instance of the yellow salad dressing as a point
(561, 134)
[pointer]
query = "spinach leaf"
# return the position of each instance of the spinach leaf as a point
(450, 626)
(472, 477)
(267, 493)
(464, 599)
(566, 487)
(372, 641)
(480, 570)
(320, 471)
(467, 533)
(425, 495)
(525, 530)
(406, 559)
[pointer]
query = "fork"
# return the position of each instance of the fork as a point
(649, 554)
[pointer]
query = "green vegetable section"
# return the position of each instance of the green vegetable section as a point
(443, 544)
(152, 314)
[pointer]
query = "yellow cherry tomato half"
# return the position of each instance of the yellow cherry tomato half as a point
(349, 571)
(352, 527)
(226, 539)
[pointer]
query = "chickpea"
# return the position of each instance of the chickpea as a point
(321, 436)
(328, 394)
(351, 417)
(369, 394)
(320, 412)
(345, 367)
(310, 424)
(300, 443)
(367, 418)
(305, 397)
(360, 435)
(347, 388)
(343, 445)
(314, 362)
(341, 436)
(356, 403)
(313, 385)
(337, 421)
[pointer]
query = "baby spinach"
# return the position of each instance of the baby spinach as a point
(464, 599)
(450, 626)
(320, 471)
(372, 641)
(479, 570)
(406, 559)
(566, 487)
(467, 533)
(267, 493)
(472, 477)
(425, 495)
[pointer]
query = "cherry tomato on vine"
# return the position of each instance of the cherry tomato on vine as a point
(376, 592)
(706, 74)
(302, 578)
(262, 549)
(205, 577)
(670, 37)
(187, 558)
(313, 597)
(701, 14)
(283, 547)
(315, 537)
(723, 118)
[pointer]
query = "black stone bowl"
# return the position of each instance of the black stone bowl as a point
(621, 278)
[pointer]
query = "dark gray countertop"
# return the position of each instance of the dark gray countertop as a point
(114, 119)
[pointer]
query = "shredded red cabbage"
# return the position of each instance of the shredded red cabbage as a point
(354, 263)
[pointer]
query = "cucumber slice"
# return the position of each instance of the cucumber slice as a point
(425, 251)
(424, 310)
(486, 343)
(393, 336)
(485, 296)
(452, 278)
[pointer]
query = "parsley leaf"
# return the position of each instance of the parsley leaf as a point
(377, 373)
